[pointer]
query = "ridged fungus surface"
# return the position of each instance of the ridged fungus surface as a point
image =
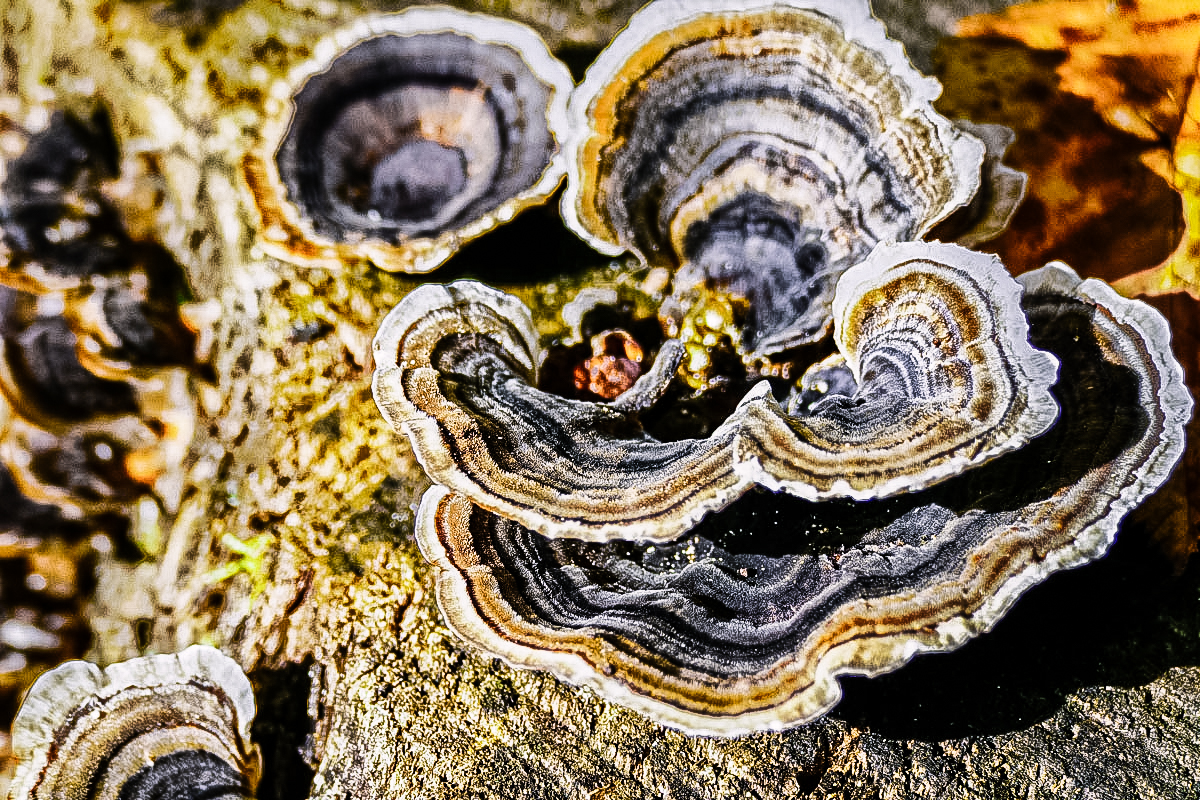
(763, 147)
(782, 163)
(407, 135)
(746, 622)
(159, 726)
(933, 333)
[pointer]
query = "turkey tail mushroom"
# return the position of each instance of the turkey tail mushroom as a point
(934, 334)
(405, 136)
(761, 146)
(747, 621)
(173, 726)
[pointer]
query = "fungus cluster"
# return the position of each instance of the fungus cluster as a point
(761, 147)
(745, 621)
(946, 379)
(781, 161)
(972, 435)
(95, 410)
(92, 341)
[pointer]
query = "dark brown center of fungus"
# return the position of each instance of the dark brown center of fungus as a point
(408, 135)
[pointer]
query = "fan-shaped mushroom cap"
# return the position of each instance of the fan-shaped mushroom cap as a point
(945, 377)
(947, 380)
(93, 344)
(456, 373)
(41, 374)
(90, 433)
(763, 146)
(161, 726)
(51, 210)
(406, 136)
(746, 623)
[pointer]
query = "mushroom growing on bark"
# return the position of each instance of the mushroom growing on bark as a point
(762, 147)
(746, 622)
(405, 136)
(933, 334)
(97, 410)
(161, 726)
(972, 435)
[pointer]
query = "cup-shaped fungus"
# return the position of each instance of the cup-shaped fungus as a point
(933, 334)
(406, 136)
(161, 726)
(746, 622)
(761, 147)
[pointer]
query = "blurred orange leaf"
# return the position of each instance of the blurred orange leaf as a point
(1136, 60)
(1105, 101)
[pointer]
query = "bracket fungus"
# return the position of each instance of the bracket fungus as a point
(746, 622)
(934, 334)
(405, 136)
(96, 356)
(1001, 191)
(41, 373)
(762, 146)
(938, 348)
(52, 214)
(160, 726)
(94, 345)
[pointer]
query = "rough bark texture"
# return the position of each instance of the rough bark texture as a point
(1089, 688)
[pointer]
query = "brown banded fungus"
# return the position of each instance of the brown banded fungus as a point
(747, 622)
(406, 136)
(933, 334)
(53, 219)
(762, 148)
(96, 410)
(456, 371)
(93, 341)
(92, 377)
(91, 468)
(938, 347)
(161, 726)
(1001, 191)
(41, 372)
